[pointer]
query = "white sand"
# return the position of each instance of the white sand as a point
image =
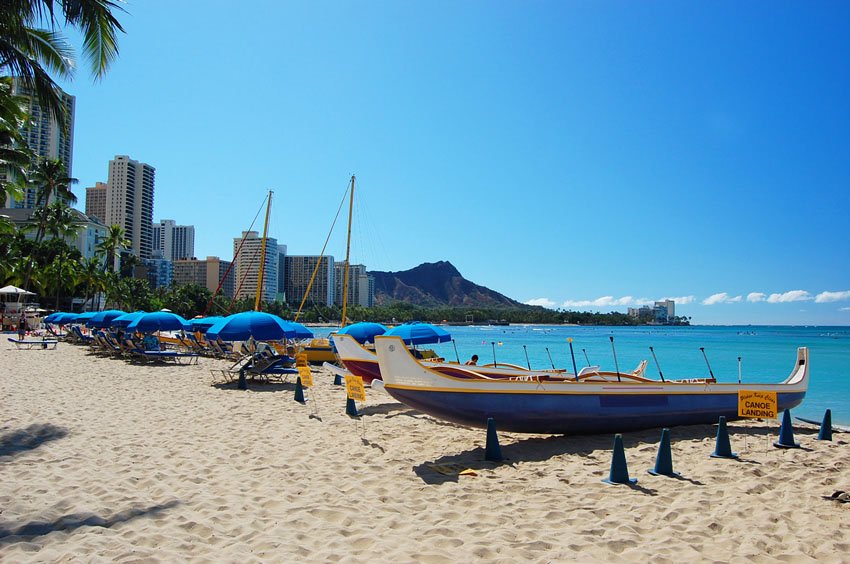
(105, 460)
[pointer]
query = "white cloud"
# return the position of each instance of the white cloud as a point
(756, 297)
(721, 298)
(681, 300)
(604, 301)
(545, 302)
(825, 297)
(791, 296)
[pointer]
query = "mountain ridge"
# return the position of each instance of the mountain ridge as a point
(436, 284)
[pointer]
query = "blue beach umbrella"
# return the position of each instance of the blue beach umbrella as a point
(126, 319)
(363, 332)
(64, 318)
(418, 333)
(104, 318)
(203, 324)
(301, 332)
(258, 324)
(53, 317)
(158, 321)
(84, 317)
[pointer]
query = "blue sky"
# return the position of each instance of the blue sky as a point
(590, 155)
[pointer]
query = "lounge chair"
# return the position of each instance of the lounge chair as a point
(265, 366)
(29, 344)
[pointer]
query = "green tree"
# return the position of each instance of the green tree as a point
(62, 274)
(15, 154)
(91, 279)
(50, 180)
(111, 245)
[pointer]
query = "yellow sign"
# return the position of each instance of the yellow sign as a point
(306, 376)
(301, 359)
(354, 388)
(761, 405)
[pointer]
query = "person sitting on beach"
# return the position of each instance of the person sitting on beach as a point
(472, 361)
(150, 342)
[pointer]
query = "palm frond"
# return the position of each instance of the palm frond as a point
(100, 28)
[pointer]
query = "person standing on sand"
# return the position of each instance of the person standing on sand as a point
(472, 361)
(22, 329)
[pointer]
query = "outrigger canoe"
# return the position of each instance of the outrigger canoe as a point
(362, 362)
(591, 404)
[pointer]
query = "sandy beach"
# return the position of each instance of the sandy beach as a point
(105, 460)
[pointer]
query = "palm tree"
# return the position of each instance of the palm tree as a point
(15, 154)
(91, 277)
(61, 273)
(31, 45)
(111, 244)
(51, 181)
(61, 221)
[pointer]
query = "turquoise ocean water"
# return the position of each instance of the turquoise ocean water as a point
(768, 354)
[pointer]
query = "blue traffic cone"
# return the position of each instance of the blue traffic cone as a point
(337, 380)
(664, 459)
(722, 448)
(351, 408)
(299, 391)
(619, 473)
(786, 433)
(492, 450)
(825, 433)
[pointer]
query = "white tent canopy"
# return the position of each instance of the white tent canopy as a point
(15, 290)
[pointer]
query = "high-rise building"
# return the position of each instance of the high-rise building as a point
(208, 273)
(160, 271)
(367, 291)
(358, 285)
(96, 201)
(129, 202)
(175, 241)
(247, 251)
(281, 271)
(299, 271)
(45, 136)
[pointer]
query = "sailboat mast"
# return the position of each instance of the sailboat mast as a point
(263, 256)
(347, 255)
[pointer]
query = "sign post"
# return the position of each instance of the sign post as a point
(354, 388)
(757, 405)
(306, 376)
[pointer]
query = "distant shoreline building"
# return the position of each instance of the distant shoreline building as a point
(662, 312)
(361, 286)
(299, 270)
(209, 273)
(247, 251)
(176, 242)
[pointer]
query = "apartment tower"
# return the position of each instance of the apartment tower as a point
(208, 273)
(247, 251)
(177, 242)
(299, 270)
(45, 136)
(96, 201)
(129, 202)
